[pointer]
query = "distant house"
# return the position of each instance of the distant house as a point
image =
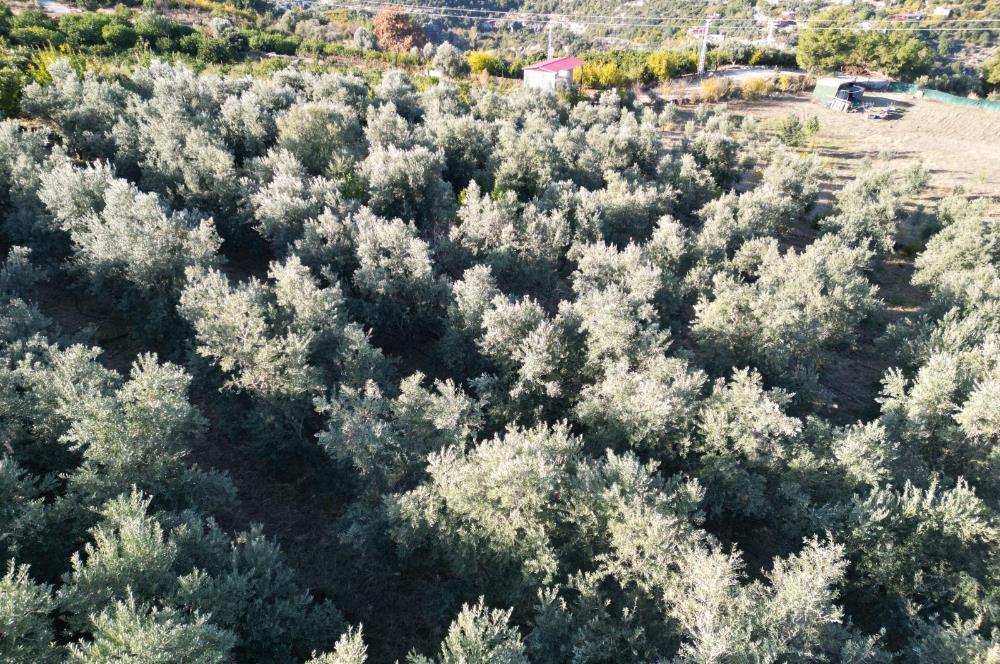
(551, 74)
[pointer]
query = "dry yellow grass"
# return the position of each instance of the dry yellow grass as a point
(958, 146)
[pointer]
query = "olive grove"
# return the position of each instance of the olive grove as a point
(551, 387)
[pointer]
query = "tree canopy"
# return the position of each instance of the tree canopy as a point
(309, 368)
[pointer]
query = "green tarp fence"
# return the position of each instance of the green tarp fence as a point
(944, 97)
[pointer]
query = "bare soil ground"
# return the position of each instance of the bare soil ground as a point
(960, 147)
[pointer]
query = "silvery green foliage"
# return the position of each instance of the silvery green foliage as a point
(364, 39)
(968, 242)
(397, 88)
(522, 244)
(128, 558)
(716, 152)
(23, 159)
(793, 175)
(71, 194)
(243, 587)
(327, 242)
(616, 307)
(669, 250)
(395, 276)
(323, 136)
(137, 437)
(526, 157)
(25, 609)
(651, 407)
(84, 110)
(408, 184)
(121, 435)
(867, 455)
(130, 633)
(18, 276)
(388, 439)
(23, 511)
(134, 247)
(277, 341)
(248, 123)
(777, 311)
(169, 143)
(511, 513)
(946, 534)
(479, 635)
(44, 396)
(449, 61)
(958, 641)
(469, 299)
(744, 439)
(595, 298)
(344, 89)
(444, 98)
(384, 128)
(287, 197)
(694, 185)
(459, 507)
(791, 616)
(622, 211)
(468, 147)
(940, 411)
(530, 356)
(626, 142)
(868, 208)
(731, 220)
(349, 649)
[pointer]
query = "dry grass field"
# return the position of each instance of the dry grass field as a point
(960, 147)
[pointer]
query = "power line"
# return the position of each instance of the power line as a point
(866, 25)
(534, 17)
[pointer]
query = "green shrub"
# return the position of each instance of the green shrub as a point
(119, 37)
(32, 18)
(35, 36)
(273, 42)
(190, 44)
(11, 82)
(217, 50)
(6, 18)
(790, 131)
(83, 29)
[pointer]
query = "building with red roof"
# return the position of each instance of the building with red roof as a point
(551, 74)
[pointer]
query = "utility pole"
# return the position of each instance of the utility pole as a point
(770, 32)
(704, 47)
(550, 42)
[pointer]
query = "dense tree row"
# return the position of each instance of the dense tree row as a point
(568, 378)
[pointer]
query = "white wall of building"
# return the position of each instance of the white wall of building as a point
(547, 80)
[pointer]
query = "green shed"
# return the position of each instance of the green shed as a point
(841, 94)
